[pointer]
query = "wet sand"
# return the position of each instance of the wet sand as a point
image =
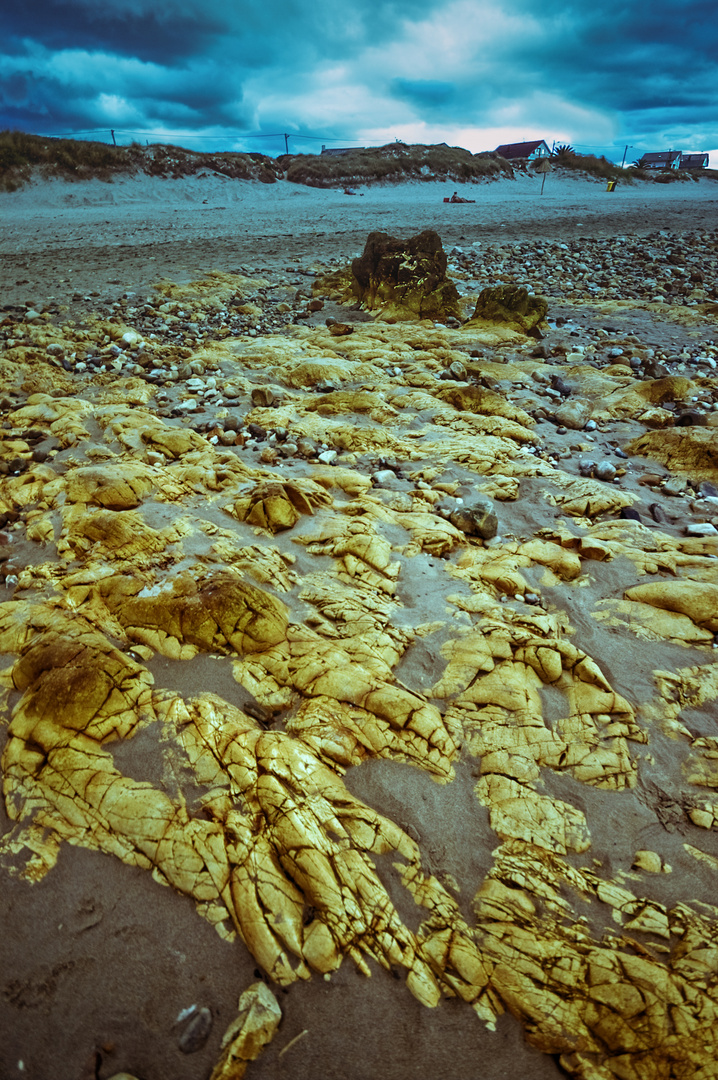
(58, 239)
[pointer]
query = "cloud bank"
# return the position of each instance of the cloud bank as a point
(212, 75)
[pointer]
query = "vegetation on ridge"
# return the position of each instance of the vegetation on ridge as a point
(394, 163)
(565, 157)
(22, 155)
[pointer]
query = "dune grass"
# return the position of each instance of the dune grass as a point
(394, 163)
(22, 156)
(672, 176)
(589, 164)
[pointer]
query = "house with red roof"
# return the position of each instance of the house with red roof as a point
(529, 150)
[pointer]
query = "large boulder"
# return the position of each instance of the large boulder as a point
(696, 599)
(574, 414)
(691, 450)
(512, 305)
(406, 279)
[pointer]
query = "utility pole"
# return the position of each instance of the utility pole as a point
(624, 154)
(286, 143)
(112, 133)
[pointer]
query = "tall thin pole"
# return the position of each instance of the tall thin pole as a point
(112, 133)
(286, 143)
(624, 156)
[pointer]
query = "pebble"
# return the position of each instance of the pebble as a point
(478, 519)
(327, 457)
(574, 414)
(649, 861)
(196, 1033)
(605, 471)
(691, 418)
(586, 467)
(383, 476)
(263, 397)
(701, 529)
(558, 384)
(674, 486)
(658, 513)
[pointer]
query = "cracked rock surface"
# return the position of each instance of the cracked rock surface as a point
(408, 707)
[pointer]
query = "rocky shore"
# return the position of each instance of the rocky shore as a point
(389, 643)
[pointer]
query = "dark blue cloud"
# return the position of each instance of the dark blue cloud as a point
(641, 71)
(149, 35)
(424, 93)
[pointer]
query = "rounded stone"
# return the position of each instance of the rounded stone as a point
(196, 1033)
(478, 519)
(574, 414)
(650, 861)
(605, 471)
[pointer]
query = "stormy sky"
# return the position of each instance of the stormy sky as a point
(234, 74)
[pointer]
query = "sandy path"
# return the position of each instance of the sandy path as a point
(58, 239)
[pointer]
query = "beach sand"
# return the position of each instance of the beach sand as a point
(516, 780)
(85, 235)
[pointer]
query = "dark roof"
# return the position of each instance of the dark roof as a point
(661, 156)
(341, 149)
(693, 161)
(519, 149)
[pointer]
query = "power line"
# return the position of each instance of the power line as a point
(192, 135)
(62, 134)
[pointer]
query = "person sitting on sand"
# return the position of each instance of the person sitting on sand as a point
(456, 198)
